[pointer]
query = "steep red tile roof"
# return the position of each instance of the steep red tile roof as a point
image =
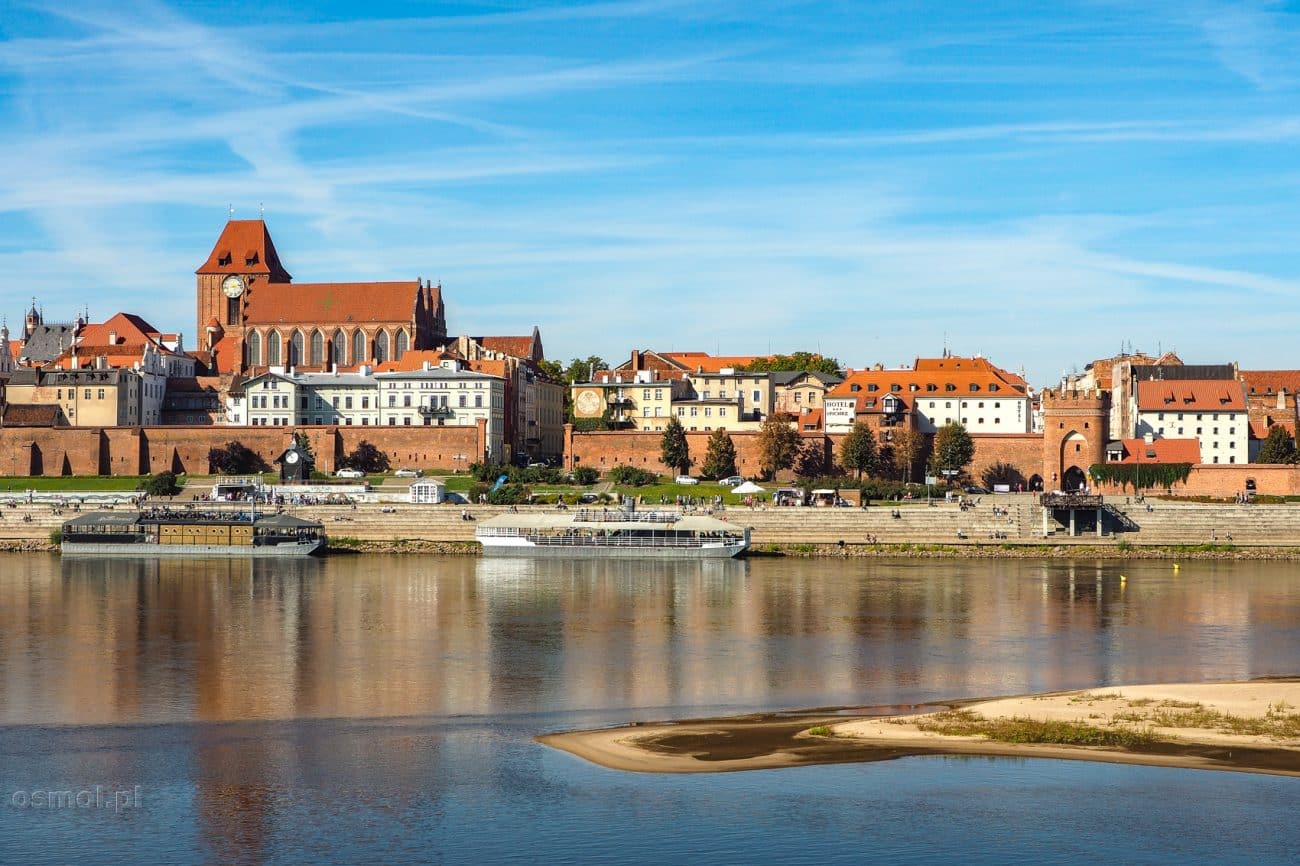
(309, 303)
(129, 329)
(32, 415)
(704, 362)
(245, 247)
(515, 347)
(1259, 429)
(1161, 451)
(810, 420)
(1271, 381)
(932, 378)
(1192, 395)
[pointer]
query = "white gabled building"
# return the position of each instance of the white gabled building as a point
(1211, 411)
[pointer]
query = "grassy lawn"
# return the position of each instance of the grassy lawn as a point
(77, 483)
(652, 493)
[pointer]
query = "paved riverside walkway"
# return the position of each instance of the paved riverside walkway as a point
(1018, 520)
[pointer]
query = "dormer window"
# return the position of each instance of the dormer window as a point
(223, 258)
(855, 387)
(974, 389)
(931, 387)
(993, 387)
(250, 257)
(873, 387)
(895, 387)
(950, 387)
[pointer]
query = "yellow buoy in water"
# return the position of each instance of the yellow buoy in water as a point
(1175, 566)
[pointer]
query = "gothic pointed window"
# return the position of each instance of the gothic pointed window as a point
(359, 353)
(273, 349)
(295, 349)
(254, 349)
(338, 349)
(381, 347)
(400, 345)
(317, 348)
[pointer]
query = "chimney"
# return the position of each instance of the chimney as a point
(112, 338)
(1148, 437)
(636, 360)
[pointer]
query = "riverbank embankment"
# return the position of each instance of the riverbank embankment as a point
(1246, 726)
(1000, 526)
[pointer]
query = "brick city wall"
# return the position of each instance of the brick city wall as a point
(1220, 481)
(147, 450)
(1024, 451)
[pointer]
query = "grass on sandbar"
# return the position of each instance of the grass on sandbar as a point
(964, 723)
(820, 731)
(1277, 722)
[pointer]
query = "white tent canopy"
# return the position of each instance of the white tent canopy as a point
(747, 487)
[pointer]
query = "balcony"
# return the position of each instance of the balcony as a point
(618, 402)
(438, 412)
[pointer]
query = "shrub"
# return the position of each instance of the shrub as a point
(585, 475)
(631, 476)
(510, 494)
(56, 537)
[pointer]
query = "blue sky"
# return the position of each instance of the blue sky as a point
(1042, 183)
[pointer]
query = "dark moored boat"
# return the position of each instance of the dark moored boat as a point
(187, 532)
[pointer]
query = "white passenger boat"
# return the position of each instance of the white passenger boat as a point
(599, 533)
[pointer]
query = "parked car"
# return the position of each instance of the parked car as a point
(349, 473)
(687, 479)
(731, 481)
(409, 473)
(979, 491)
(588, 498)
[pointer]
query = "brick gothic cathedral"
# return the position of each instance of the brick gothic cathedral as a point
(251, 315)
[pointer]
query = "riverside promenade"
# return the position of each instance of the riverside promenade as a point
(996, 523)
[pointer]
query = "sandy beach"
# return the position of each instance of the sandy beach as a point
(1241, 726)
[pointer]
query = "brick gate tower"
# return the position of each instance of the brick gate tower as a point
(1074, 436)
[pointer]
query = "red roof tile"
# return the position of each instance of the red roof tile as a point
(332, 303)
(1271, 381)
(1161, 451)
(515, 347)
(704, 362)
(245, 247)
(1192, 395)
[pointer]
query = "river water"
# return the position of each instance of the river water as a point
(372, 709)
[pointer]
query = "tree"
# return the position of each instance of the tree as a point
(162, 484)
(810, 460)
(720, 458)
(553, 371)
(953, 449)
(674, 451)
(367, 458)
(1278, 447)
(235, 458)
(585, 475)
(905, 450)
(778, 443)
(858, 450)
(582, 369)
(798, 361)
(304, 445)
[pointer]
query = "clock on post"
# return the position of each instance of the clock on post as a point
(295, 464)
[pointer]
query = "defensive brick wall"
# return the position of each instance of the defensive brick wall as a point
(148, 450)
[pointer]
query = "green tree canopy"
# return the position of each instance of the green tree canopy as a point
(581, 369)
(1278, 447)
(858, 450)
(720, 458)
(905, 447)
(778, 443)
(673, 449)
(304, 445)
(953, 449)
(797, 361)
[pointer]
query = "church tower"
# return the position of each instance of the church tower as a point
(242, 259)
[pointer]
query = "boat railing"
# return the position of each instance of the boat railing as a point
(616, 515)
(628, 541)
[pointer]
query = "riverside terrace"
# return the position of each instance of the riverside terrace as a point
(1018, 522)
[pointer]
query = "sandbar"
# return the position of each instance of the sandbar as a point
(1239, 726)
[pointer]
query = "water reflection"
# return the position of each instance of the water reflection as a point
(108, 641)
